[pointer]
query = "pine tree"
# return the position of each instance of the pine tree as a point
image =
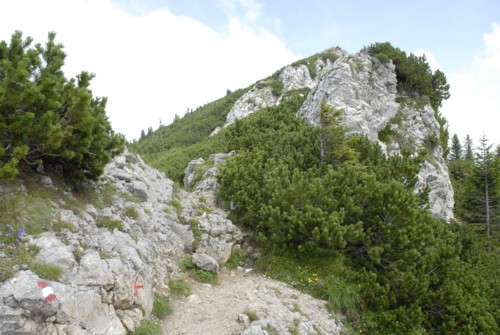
(47, 119)
(333, 141)
(469, 148)
(456, 148)
(485, 164)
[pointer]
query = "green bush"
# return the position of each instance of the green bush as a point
(382, 57)
(204, 276)
(397, 261)
(413, 73)
(47, 119)
(161, 306)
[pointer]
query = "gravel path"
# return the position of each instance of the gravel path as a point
(223, 309)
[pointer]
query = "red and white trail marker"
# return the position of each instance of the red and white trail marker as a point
(47, 292)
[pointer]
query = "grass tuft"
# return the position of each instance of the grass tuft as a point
(46, 271)
(105, 222)
(180, 287)
(161, 306)
(148, 327)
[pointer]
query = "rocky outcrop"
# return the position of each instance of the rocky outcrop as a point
(292, 78)
(115, 253)
(108, 272)
(366, 90)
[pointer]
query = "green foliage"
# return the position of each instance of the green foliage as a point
(252, 315)
(334, 147)
(177, 205)
(15, 255)
(363, 209)
(456, 148)
(131, 212)
(187, 263)
(46, 271)
(413, 73)
(172, 147)
(180, 287)
(325, 276)
(194, 227)
(110, 223)
(310, 62)
(47, 119)
(476, 183)
(204, 276)
(273, 83)
(236, 259)
(161, 306)
(148, 327)
(27, 212)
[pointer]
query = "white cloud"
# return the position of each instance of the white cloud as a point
(153, 65)
(252, 9)
(474, 106)
(431, 59)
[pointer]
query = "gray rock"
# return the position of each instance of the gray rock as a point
(53, 251)
(250, 102)
(93, 271)
(46, 181)
(205, 262)
(140, 190)
(254, 329)
(190, 171)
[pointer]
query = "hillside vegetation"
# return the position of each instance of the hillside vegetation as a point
(347, 227)
(172, 147)
(331, 214)
(336, 218)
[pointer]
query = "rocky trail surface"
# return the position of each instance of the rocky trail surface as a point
(247, 303)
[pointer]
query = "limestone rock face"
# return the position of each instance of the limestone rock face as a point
(108, 273)
(366, 89)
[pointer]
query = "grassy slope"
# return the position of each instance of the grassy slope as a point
(172, 147)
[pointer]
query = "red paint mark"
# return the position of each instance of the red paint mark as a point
(137, 287)
(47, 292)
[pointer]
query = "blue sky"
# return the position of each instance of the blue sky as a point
(156, 58)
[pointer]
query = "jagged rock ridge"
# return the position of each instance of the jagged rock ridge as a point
(366, 89)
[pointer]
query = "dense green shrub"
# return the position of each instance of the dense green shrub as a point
(363, 208)
(47, 119)
(413, 73)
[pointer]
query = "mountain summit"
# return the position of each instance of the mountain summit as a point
(366, 89)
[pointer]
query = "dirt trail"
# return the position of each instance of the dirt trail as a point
(217, 309)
